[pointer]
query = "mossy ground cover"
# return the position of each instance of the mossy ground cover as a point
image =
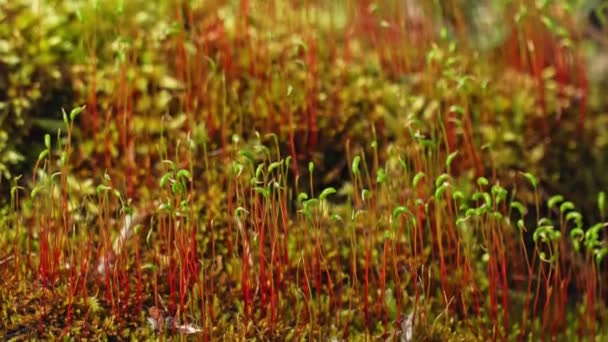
(303, 170)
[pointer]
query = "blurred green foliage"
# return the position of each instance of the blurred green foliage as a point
(36, 42)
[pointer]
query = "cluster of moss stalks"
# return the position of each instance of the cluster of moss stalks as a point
(283, 170)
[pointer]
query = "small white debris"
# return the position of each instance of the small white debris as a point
(160, 323)
(188, 329)
(126, 231)
(407, 328)
(153, 323)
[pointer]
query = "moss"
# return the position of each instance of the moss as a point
(296, 172)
